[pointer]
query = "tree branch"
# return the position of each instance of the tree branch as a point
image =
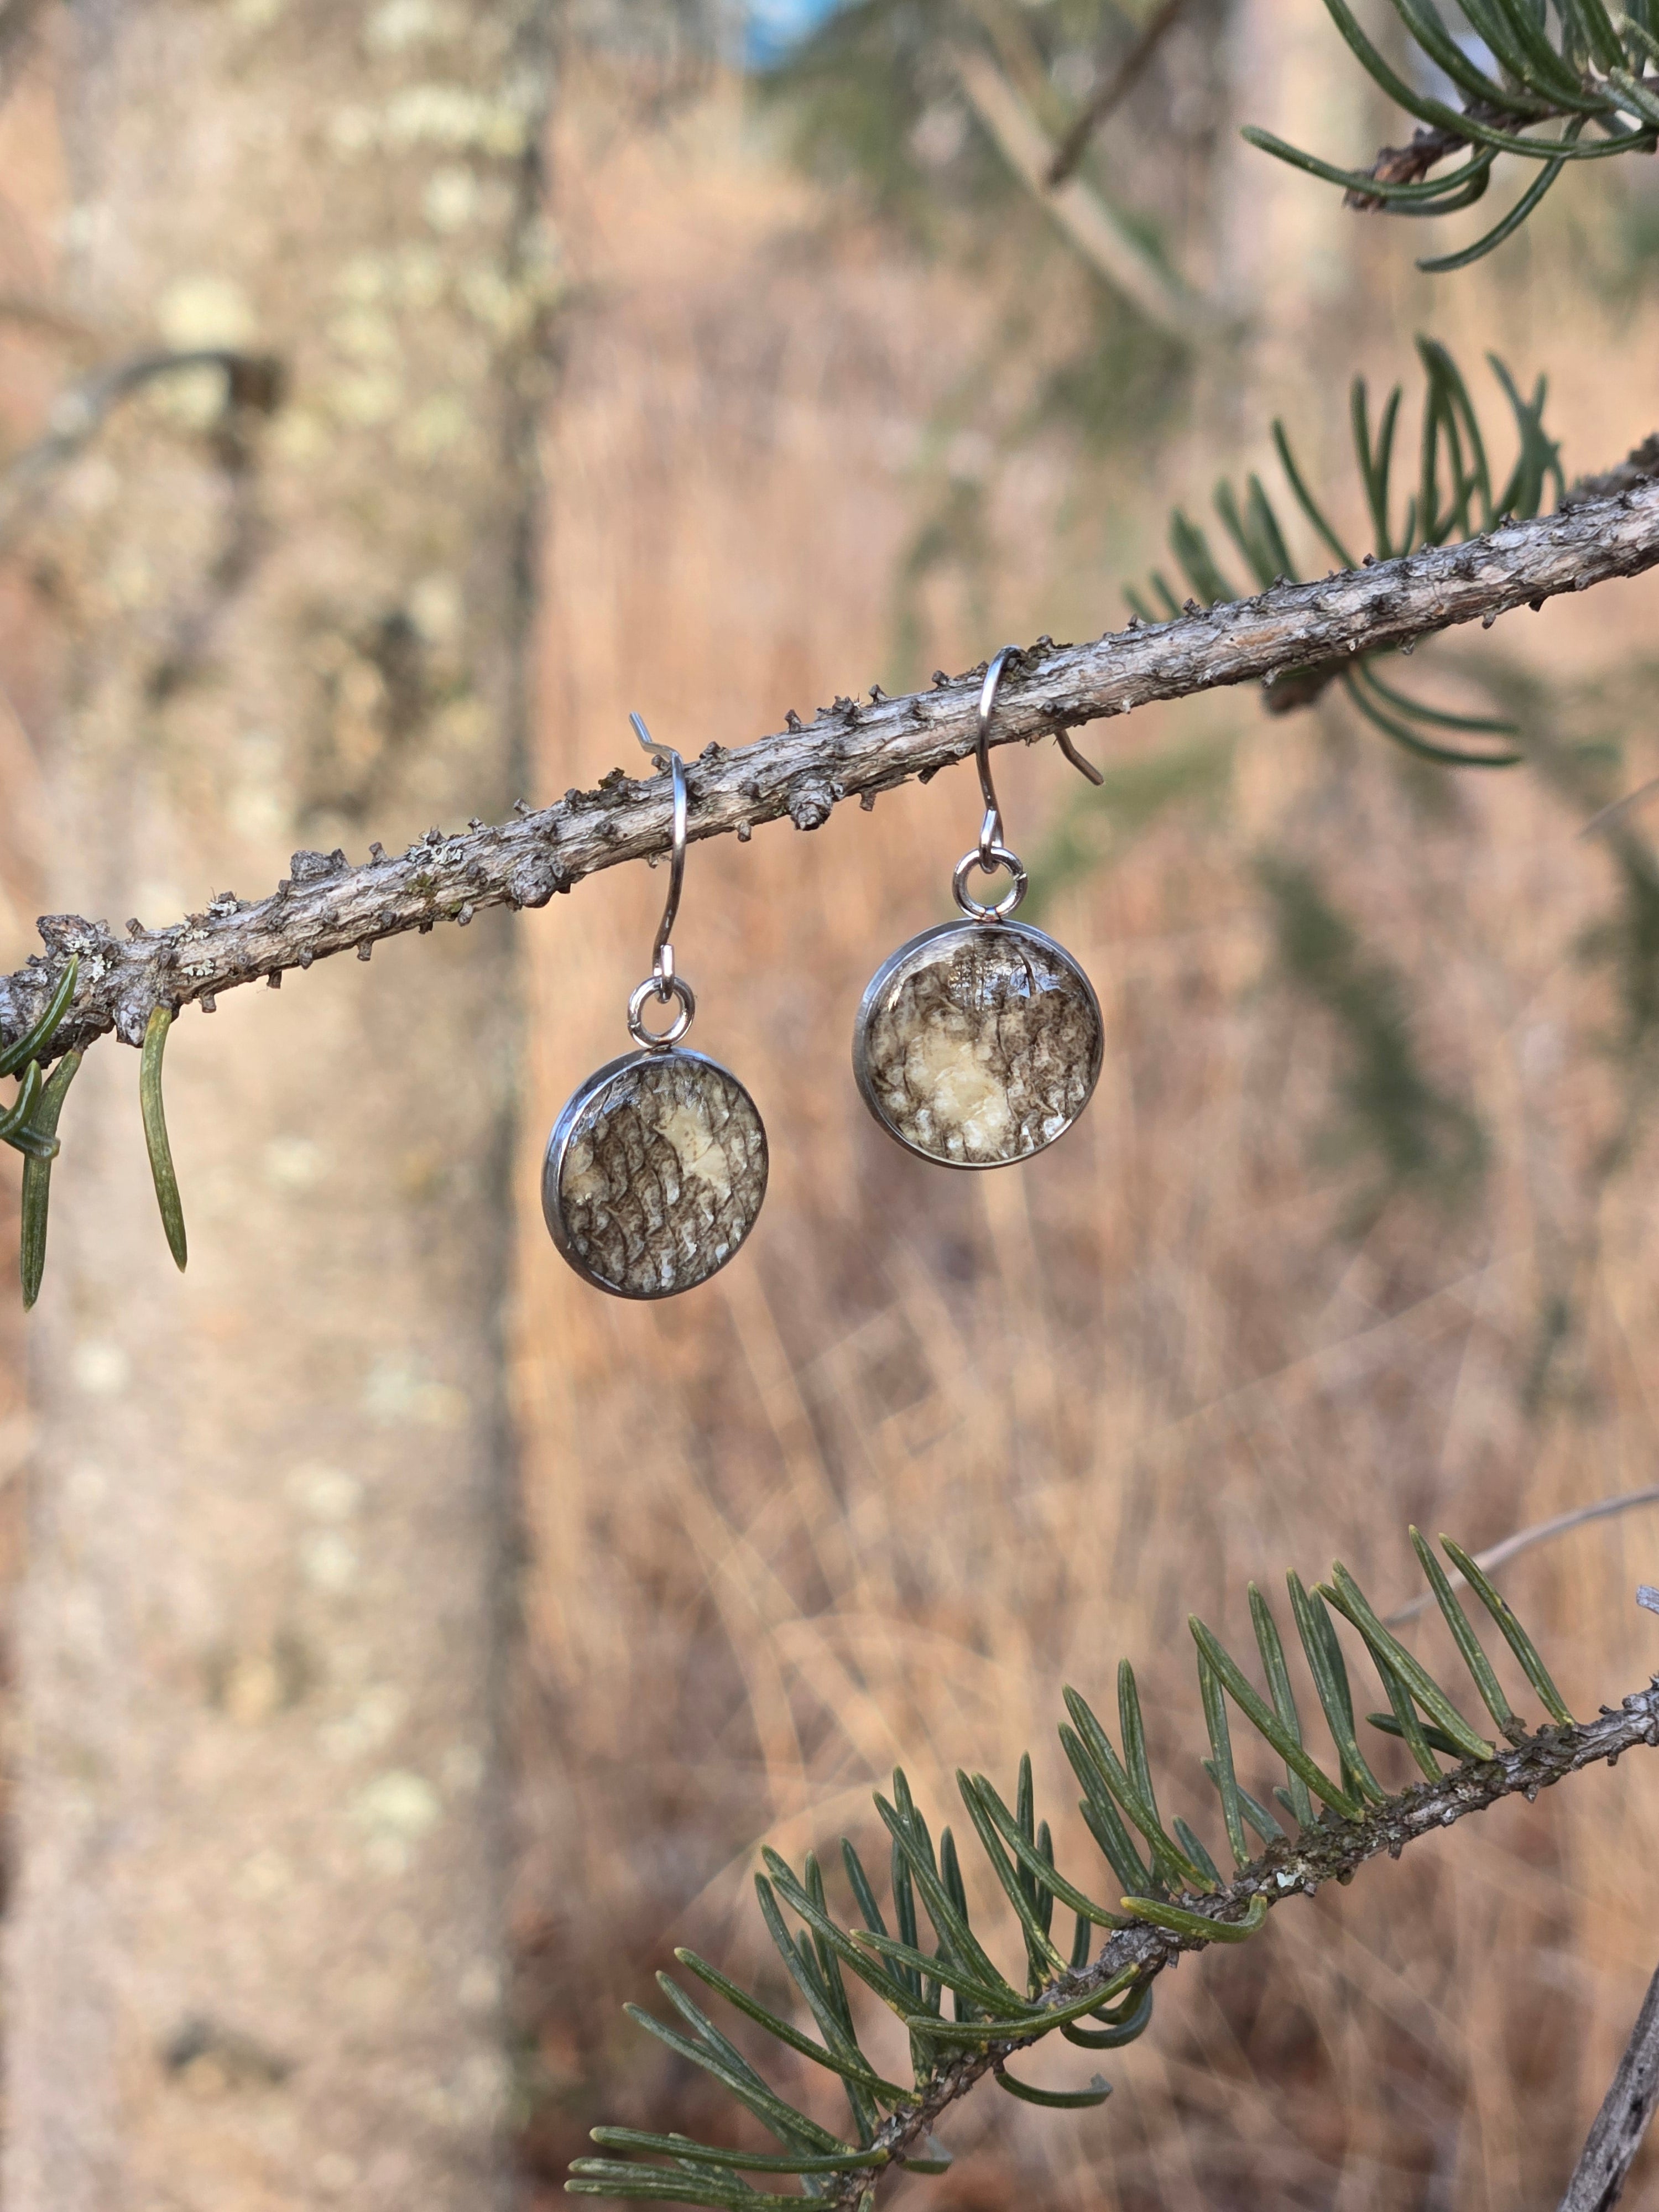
(326, 905)
(1598, 2179)
(1331, 1851)
(1112, 93)
(1086, 216)
(1541, 1532)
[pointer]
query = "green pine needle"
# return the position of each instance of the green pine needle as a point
(33, 1044)
(1057, 2100)
(37, 1177)
(155, 1134)
(1199, 1925)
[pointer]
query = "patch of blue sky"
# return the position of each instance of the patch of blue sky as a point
(1431, 78)
(773, 28)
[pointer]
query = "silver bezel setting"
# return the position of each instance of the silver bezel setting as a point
(892, 968)
(558, 1143)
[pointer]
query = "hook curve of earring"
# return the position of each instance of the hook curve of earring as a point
(988, 704)
(662, 950)
(990, 829)
(991, 852)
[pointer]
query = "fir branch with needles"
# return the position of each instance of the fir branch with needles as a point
(1552, 83)
(1167, 1893)
(1455, 496)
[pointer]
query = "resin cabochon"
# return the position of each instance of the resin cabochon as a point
(654, 1174)
(978, 1043)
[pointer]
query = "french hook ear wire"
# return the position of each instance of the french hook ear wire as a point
(991, 829)
(662, 953)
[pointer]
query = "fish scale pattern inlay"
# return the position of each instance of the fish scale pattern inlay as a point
(659, 1176)
(979, 1043)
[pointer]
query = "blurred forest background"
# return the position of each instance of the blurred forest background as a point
(1361, 1227)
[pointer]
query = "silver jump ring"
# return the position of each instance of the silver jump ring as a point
(676, 987)
(1000, 857)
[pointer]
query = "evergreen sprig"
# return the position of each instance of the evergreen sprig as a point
(1454, 495)
(1166, 1891)
(29, 1125)
(1550, 81)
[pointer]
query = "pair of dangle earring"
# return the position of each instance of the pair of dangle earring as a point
(656, 1168)
(979, 1043)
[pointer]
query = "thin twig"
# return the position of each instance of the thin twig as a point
(16, 1441)
(1410, 164)
(1121, 82)
(31, 311)
(326, 905)
(1433, 143)
(18, 19)
(1092, 223)
(253, 380)
(1329, 1851)
(1604, 1509)
(1598, 2179)
(1619, 810)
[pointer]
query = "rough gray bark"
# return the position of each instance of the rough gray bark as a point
(255, 1952)
(1598, 2179)
(328, 905)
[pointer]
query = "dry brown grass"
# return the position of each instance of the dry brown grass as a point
(938, 1444)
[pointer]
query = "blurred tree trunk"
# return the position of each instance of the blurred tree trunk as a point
(257, 1942)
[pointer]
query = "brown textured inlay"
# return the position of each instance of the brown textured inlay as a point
(981, 1046)
(663, 1176)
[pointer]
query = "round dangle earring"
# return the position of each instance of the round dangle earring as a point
(979, 1043)
(656, 1168)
